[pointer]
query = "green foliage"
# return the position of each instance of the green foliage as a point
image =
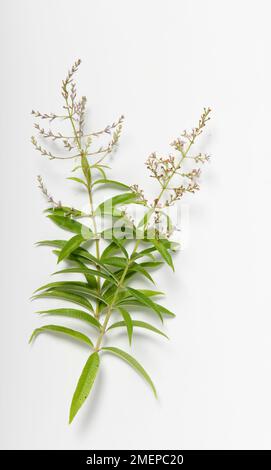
(134, 363)
(85, 384)
(138, 323)
(62, 330)
(73, 313)
(105, 261)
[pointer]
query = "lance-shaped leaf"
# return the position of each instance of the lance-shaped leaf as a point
(74, 298)
(147, 292)
(165, 311)
(76, 288)
(71, 225)
(140, 324)
(143, 299)
(115, 261)
(100, 168)
(130, 273)
(146, 252)
(62, 330)
(61, 284)
(163, 252)
(61, 244)
(140, 269)
(121, 232)
(91, 280)
(72, 257)
(84, 384)
(110, 249)
(128, 322)
(83, 254)
(125, 295)
(73, 313)
(65, 211)
(120, 244)
(173, 246)
(111, 183)
(88, 271)
(56, 243)
(158, 308)
(108, 206)
(77, 180)
(150, 293)
(145, 219)
(151, 264)
(86, 169)
(134, 363)
(70, 246)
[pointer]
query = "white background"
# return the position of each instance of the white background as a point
(158, 63)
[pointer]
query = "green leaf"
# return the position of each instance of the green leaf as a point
(111, 182)
(143, 253)
(61, 284)
(78, 289)
(140, 324)
(134, 363)
(74, 298)
(72, 313)
(86, 168)
(163, 252)
(73, 257)
(145, 301)
(111, 248)
(93, 260)
(84, 384)
(87, 271)
(109, 293)
(63, 330)
(71, 225)
(57, 243)
(140, 269)
(169, 222)
(107, 206)
(65, 211)
(77, 180)
(143, 222)
(70, 246)
(115, 261)
(128, 322)
(173, 246)
(159, 308)
(91, 280)
(123, 232)
(120, 244)
(151, 264)
(150, 293)
(147, 292)
(100, 168)
(164, 311)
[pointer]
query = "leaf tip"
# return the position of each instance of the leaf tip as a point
(71, 417)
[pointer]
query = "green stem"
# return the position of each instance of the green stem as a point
(111, 306)
(97, 242)
(89, 190)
